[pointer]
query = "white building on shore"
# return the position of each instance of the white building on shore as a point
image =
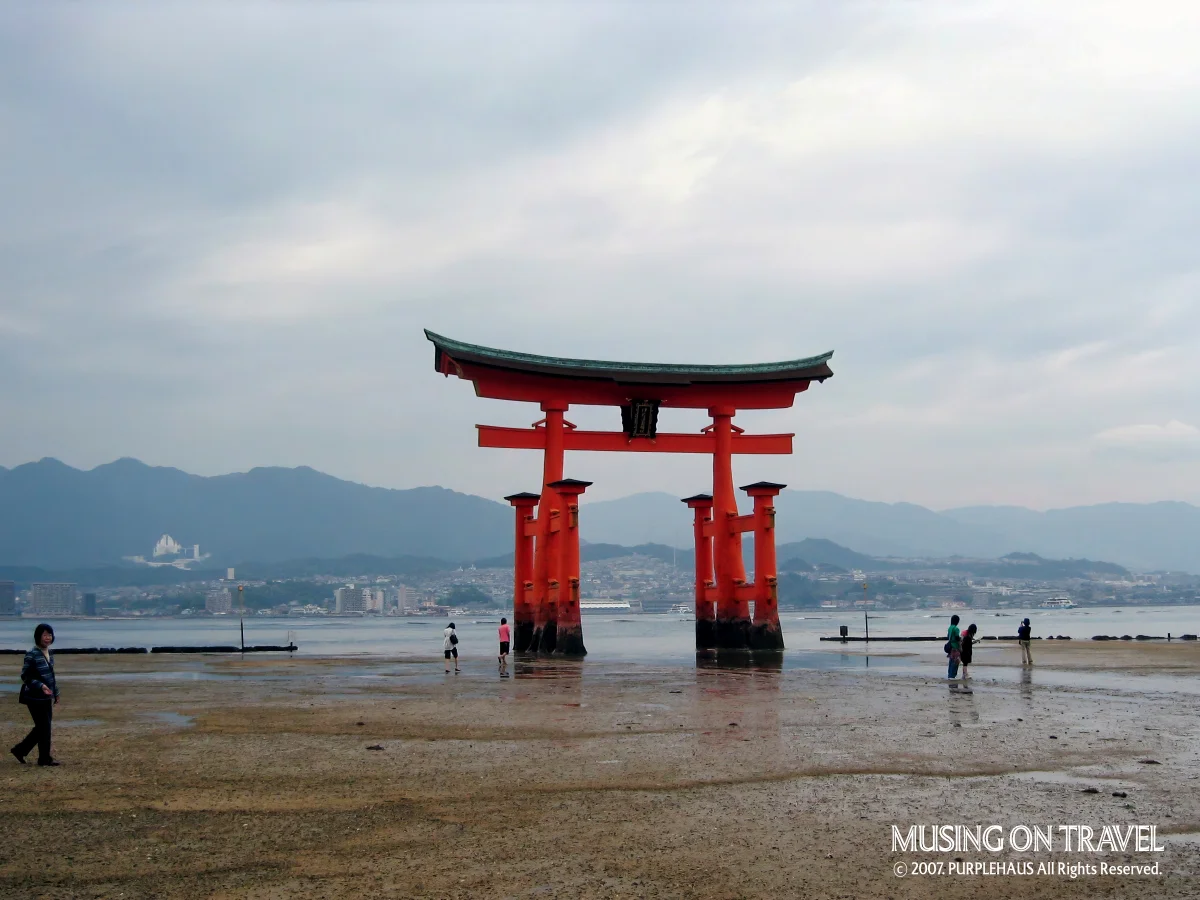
(219, 601)
(349, 599)
(52, 599)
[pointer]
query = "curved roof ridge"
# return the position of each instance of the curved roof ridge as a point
(497, 356)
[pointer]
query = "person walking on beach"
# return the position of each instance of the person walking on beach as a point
(505, 637)
(450, 646)
(953, 647)
(1024, 634)
(968, 641)
(39, 693)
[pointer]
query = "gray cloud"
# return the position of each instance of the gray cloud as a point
(225, 227)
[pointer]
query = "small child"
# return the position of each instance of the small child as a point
(505, 639)
(968, 641)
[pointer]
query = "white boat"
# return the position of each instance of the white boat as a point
(604, 606)
(683, 609)
(1057, 603)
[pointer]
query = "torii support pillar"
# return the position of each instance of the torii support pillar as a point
(526, 531)
(733, 606)
(706, 613)
(547, 555)
(569, 631)
(765, 633)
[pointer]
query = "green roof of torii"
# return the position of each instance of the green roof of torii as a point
(815, 368)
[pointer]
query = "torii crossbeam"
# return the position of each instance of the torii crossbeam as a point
(546, 557)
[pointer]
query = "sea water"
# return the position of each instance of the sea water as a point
(653, 639)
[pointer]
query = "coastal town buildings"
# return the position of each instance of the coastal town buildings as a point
(637, 582)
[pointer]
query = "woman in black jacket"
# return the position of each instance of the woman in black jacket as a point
(39, 692)
(968, 642)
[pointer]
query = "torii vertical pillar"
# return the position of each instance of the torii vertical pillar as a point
(569, 621)
(706, 614)
(733, 608)
(765, 633)
(546, 556)
(526, 531)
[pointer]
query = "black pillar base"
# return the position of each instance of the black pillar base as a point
(733, 634)
(706, 634)
(569, 642)
(546, 640)
(522, 637)
(765, 636)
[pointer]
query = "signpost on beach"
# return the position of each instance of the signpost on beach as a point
(546, 555)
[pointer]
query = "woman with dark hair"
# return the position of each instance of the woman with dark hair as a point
(39, 692)
(968, 642)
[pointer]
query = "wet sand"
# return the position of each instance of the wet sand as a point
(215, 777)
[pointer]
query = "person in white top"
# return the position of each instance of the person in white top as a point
(449, 642)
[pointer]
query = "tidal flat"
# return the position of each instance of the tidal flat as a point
(274, 777)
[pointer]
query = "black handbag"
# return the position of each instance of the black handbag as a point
(26, 694)
(453, 638)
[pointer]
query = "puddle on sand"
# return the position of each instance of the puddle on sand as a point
(152, 676)
(179, 720)
(66, 723)
(1065, 778)
(1186, 837)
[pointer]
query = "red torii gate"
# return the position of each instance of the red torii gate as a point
(546, 554)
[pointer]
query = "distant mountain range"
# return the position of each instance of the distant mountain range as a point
(1141, 536)
(54, 516)
(57, 517)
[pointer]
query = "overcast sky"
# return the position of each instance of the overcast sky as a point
(223, 228)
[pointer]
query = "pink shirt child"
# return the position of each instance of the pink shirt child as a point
(504, 632)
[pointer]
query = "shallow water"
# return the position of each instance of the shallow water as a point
(655, 640)
(650, 637)
(178, 720)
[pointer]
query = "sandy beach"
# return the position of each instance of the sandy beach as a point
(219, 777)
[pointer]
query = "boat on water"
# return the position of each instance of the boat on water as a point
(1057, 603)
(604, 606)
(683, 609)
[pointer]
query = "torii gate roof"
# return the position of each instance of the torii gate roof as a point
(509, 375)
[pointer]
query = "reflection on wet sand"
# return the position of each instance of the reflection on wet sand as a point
(740, 660)
(543, 667)
(962, 708)
(749, 684)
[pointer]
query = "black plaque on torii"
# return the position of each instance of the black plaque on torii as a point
(639, 419)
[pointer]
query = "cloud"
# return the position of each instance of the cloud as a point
(223, 222)
(1171, 442)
